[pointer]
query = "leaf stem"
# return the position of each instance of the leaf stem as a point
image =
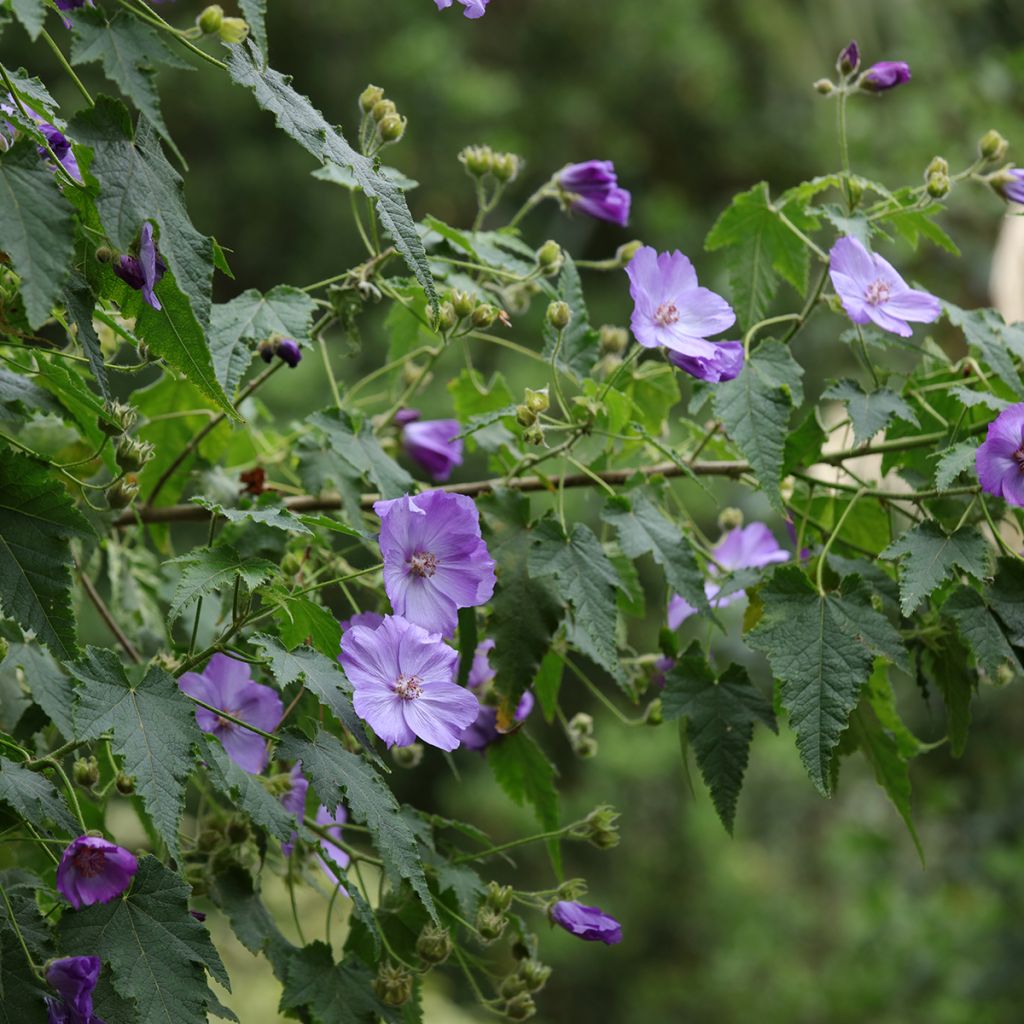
(59, 54)
(17, 931)
(831, 540)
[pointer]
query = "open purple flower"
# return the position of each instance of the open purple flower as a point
(435, 559)
(885, 75)
(403, 681)
(588, 923)
(142, 272)
(670, 309)
(434, 444)
(225, 683)
(371, 619)
(74, 978)
(872, 291)
(484, 731)
(92, 870)
(474, 8)
(294, 802)
(749, 547)
(1000, 458)
(593, 187)
(1011, 184)
(332, 823)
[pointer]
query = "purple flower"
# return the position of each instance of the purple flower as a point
(593, 187)
(61, 146)
(474, 8)
(872, 291)
(370, 619)
(74, 978)
(661, 668)
(332, 823)
(884, 75)
(1011, 184)
(294, 802)
(1000, 458)
(142, 272)
(670, 309)
(288, 350)
(484, 731)
(589, 923)
(403, 682)
(748, 547)
(849, 58)
(225, 683)
(91, 870)
(435, 559)
(434, 445)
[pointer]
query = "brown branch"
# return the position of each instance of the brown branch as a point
(108, 618)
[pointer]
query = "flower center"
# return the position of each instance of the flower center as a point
(1018, 457)
(89, 862)
(409, 687)
(423, 563)
(877, 292)
(225, 723)
(667, 313)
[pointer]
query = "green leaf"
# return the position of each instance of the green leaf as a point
(721, 714)
(644, 530)
(981, 631)
(952, 462)
(158, 952)
(481, 406)
(755, 410)
(255, 13)
(37, 520)
(548, 682)
(252, 317)
(972, 398)
(297, 117)
(154, 731)
(344, 177)
(300, 620)
(21, 994)
(580, 347)
(587, 581)
(996, 340)
(51, 689)
(33, 797)
(363, 453)
(932, 556)
(872, 411)
(80, 303)
(332, 993)
(31, 14)
(208, 569)
(340, 776)
(267, 512)
(822, 649)
(36, 228)
(1007, 598)
(945, 667)
(914, 224)
(247, 793)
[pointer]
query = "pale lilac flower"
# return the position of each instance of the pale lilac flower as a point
(671, 310)
(1000, 458)
(589, 923)
(294, 802)
(474, 8)
(225, 683)
(484, 731)
(403, 678)
(593, 187)
(749, 547)
(371, 619)
(872, 291)
(74, 978)
(332, 823)
(434, 444)
(435, 559)
(92, 870)
(885, 75)
(142, 272)
(1011, 185)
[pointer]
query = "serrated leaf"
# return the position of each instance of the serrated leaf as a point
(580, 342)
(1007, 598)
(208, 569)
(871, 411)
(344, 177)
(932, 556)
(548, 682)
(464, 883)
(952, 462)
(266, 513)
(946, 668)
(332, 993)
(37, 520)
(36, 229)
(31, 14)
(300, 620)
(362, 452)
(972, 398)
(755, 409)
(154, 730)
(255, 14)
(297, 117)
(21, 995)
(340, 776)
(34, 798)
(822, 649)
(80, 303)
(981, 631)
(51, 689)
(158, 952)
(721, 714)
(996, 340)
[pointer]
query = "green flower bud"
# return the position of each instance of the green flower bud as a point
(393, 985)
(209, 21)
(613, 340)
(537, 401)
(391, 127)
(600, 828)
(654, 715)
(463, 302)
(125, 784)
(511, 986)
(104, 254)
(534, 435)
(131, 453)
(581, 724)
(585, 748)
(992, 146)
(434, 944)
(730, 518)
(478, 160)
(550, 258)
(559, 315)
(123, 493)
(291, 564)
(408, 757)
(447, 318)
(238, 830)
(525, 415)
(370, 97)
(521, 1008)
(534, 973)
(506, 167)
(1004, 674)
(498, 897)
(938, 186)
(123, 416)
(490, 924)
(484, 316)
(938, 165)
(233, 30)
(86, 771)
(824, 86)
(381, 109)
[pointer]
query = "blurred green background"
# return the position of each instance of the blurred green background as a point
(816, 911)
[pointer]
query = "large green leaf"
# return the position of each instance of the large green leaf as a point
(361, 451)
(332, 993)
(297, 117)
(981, 631)
(51, 689)
(870, 411)
(208, 569)
(35, 228)
(996, 340)
(158, 952)
(255, 13)
(37, 519)
(34, 798)
(31, 14)
(80, 303)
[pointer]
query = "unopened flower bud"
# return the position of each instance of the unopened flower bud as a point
(287, 349)
(104, 254)
(1004, 674)
(490, 923)
(370, 97)
(498, 897)
(383, 108)
(484, 316)
(391, 128)
(534, 973)
(885, 75)
(600, 828)
(559, 315)
(478, 160)
(123, 417)
(463, 302)
(992, 146)
(585, 748)
(625, 252)
(506, 167)
(613, 340)
(393, 985)
(824, 86)
(537, 401)
(848, 60)
(525, 416)
(266, 350)
(937, 165)
(938, 185)
(730, 518)
(125, 784)
(511, 985)
(131, 453)
(550, 258)
(410, 756)
(434, 944)
(123, 493)
(581, 724)
(654, 714)
(447, 318)
(233, 30)
(209, 21)
(521, 1008)
(86, 771)
(534, 435)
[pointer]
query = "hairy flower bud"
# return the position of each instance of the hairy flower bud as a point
(937, 165)
(233, 30)
(537, 401)
(506, 167)
(447, 318)
(370, 97)
(654, 714)
(625, 252)
(266, 350)
(730, 518)
(849, 58)
(391, 127)
(382, 109)
(484, 316)
(1004, 674)
(585, 748)
(209, 21)
(463, 302)
(559, 315)
(410, 756)
(478, 160)
(938, 185)
(123, 417)
(522, 1007)
(287, 349)
(86, 771)
(125, 784)
(534, 435)
(434, 944)
(613, 340)
(581, 724)
(498, 897)
(534, 973)
(600, 828)
(824, 86)
(550, 258)
(131, 453)
(525, 416)
(393, 985)
(104, 254)
(511, 985)
(992, 146)
(490, 923)
(123, 493)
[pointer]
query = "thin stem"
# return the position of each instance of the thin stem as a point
(537, 197)
(72, 795)
(58, 53)
(620, 369)
(816, 249)
(17, 930)
(749, 336)
(106, 615)
(512, 844)
(148, 14)
(831, 540)
(329, 370)
(221, 713)
(582, 677)
(862, 351)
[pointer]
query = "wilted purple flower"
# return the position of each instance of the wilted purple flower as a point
(593, 187)
(294, 802)
(332, 823)
(589, 923)
(403, 681)
(884, 75)
(434, 444)
(749, 547)
(225, 683)
(484, 731)
(474, 8)
(1011, 184)
(61, 146)
(288, 351)
(1000, 458)
(849, 58)
(670, 309)
(142, 272)
(74, 978)
(872, 291)
(435, 559)
(91, 870)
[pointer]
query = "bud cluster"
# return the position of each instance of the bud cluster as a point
(382, 125)
(533, 404)
(599, 828)
(581, 735)
(936, 178)
(483, 162)
(213, 21)
(393, 985)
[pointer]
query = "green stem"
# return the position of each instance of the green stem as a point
(148, 14)
(220, 713)
(862, 351)
(816, 249)
(58, 53)
(539, 196)
(329, 370)
(749, 336)
(72, 796)
(831, 540)
(620, 369)
(17, 931)
(512, 844)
